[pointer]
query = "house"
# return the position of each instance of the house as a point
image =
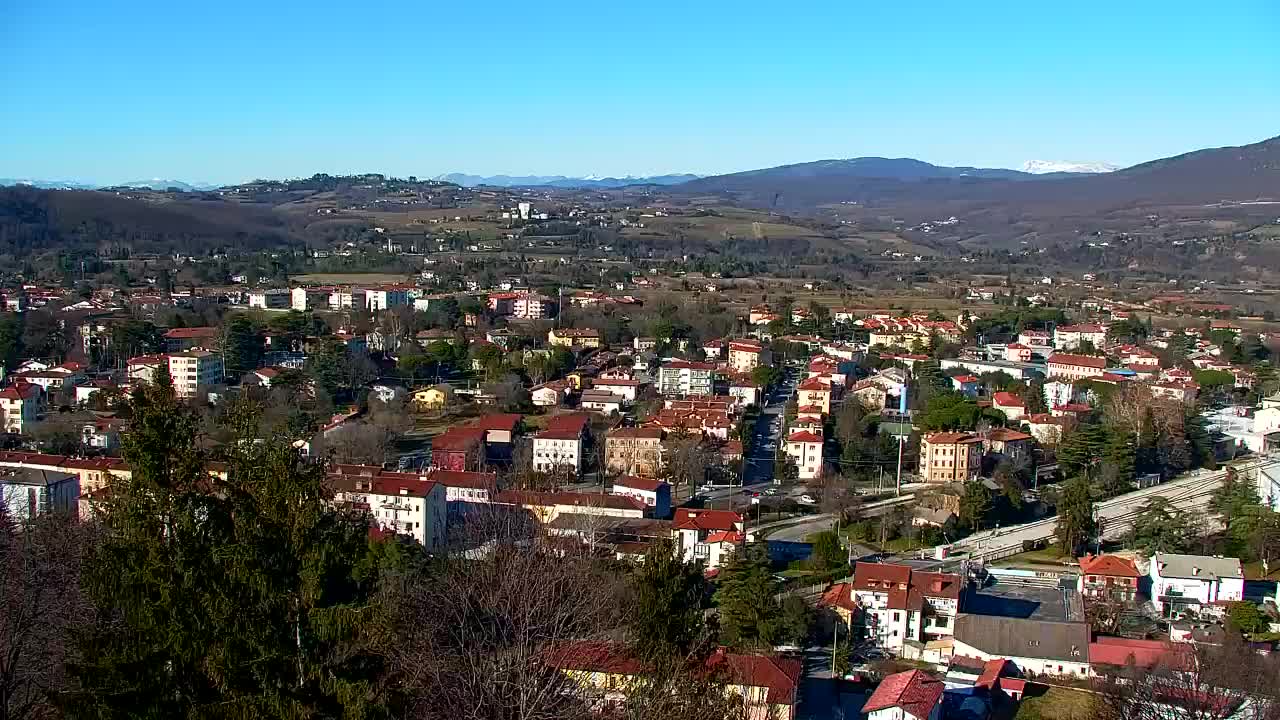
(20, 405)
(102, 434)
(1194, 582)
(465, 487)
(910, 695)
(682, 378)
(606, 673)
(1108, 577)
(458, 448)
(1046, 428)
(574, 338)
(708, 536)
(547, 507)
(1071, 337)
(1010, 404)
(950, 457)
(870, 395)
(1075, 367)
(500, 431)
(261, 377)
(86, 391)
(28, 493)
(559, 447)
(900, 605)
(182, 339)
(143, 367)
(815, 392)
(435, 397)
(550, 394)
(634, 451)
(1011, 445)
(745, 390)
(1017, 352)
(385, 298)
(193, 371)
(402, 503)
(805, 448)
(271, 299)
(1182, 391)
(644, 344)
(656, 494)
(713, 349)
(387, 391)
(1044, 647)
(747, 355)
(303, 299)
(1035, 339)
(602, 401)
(626, 388)
(966, 385)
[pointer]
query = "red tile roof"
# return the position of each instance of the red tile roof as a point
(804, 437)
(1078, 360)
(1007, 399)
(590, 500)
(1145, 653)
(20, 391)
(191, 333)
(838, 595)
(728, 536)
(711, 520)
(639, 483)
(1007, 435)
(951, 438)
(458, 439)
(503, 421)
(913, 691)
(463, 479)
(1108, 565)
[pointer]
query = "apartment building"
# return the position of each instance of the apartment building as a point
(805, 448)
(898, 604)
(303, 299)
(20, 405)
(347, 299)
(634, 451)
(193, 371)
(747, 355)
(386, 298)
(950, 457)
(402, 503)
(815, 392)
(574, 338)
(559, 447)
(1075, 367)
(1071, 337)
(273, 299)
(683, 378)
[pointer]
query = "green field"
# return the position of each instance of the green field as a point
(1056, 704)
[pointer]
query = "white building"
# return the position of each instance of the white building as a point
(30, 492)
(747, 355)
(385, 298)
(910, 695)
(708, 536)
(348, 299)
(805, 448)
(399, 503)
(194, 370)
(274, 299)
(1071, 337)
(303, 299)
(901, 605)
(557, 451)
(682, 378)
(1196, 582)
(20, 405)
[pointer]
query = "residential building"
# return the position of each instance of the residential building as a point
(966, 385)
(193, 371)
(601, 401)
(1044, 647)
(272, 299)
(708, 536)
(869, 394)
(805, 448)
(746, 391)
(1035, 339)
(20, 405)
(1010, 404)
(458, 449)
(303, 299)
(606, 673)
(181, 339)
(550, 394)
(1071, 337)
(500, 431)
(574, 338)
(1046, 428)
(815, 392)
(547, 507)
(1194, 582)
(898, 605)
(402, 503)
(532, 306)
(634, 451)
(347, 299)
(559, 447)
(682, 378)
(747, 355)
(950, 457)
(1017, 352)
(435, 397)
(28, 493)
(1075, 367)
(910, 695)
(1108, 577)
(655, 494)
(626, 388)
(1011, 445)
(386, 298)
(143, 367)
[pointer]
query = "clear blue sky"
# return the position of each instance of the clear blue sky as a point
(227, 91)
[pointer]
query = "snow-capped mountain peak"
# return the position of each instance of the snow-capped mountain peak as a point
(1041, 167)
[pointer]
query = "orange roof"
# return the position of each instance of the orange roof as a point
(804, 437)
(1112, 565)
(691, 519)
(1078, 360)
(1007, 399)
(913, 691)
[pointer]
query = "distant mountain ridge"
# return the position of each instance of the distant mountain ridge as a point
(154, 184)
(563, 181)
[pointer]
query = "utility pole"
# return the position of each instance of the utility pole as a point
(898, 487)
(835, 645)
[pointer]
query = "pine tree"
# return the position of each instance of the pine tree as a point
(745, 598)
(667, 617)
(1160, 527)
(1081, 449)
(1076, 524)
(235, 597)
(1119, 457)
(975, 505)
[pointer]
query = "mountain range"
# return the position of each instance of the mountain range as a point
(562, 181)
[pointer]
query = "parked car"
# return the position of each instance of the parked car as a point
(808, 500)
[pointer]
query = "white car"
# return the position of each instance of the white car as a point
(808, 500)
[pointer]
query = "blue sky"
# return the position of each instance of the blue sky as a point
(228, 91)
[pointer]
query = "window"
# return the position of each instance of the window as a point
(897, 616)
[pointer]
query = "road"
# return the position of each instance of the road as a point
(798, 530)
(1191, 493)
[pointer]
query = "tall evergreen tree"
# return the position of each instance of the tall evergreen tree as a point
(1119, 457)
(1076, 524)
(228, 598)
(1161, 527)
(975, 505)
(745, 598)
(1081, 449)
(667, 617)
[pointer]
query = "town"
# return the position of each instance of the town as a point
(1003, 505)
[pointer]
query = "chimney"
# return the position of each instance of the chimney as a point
(404, 491)
(1195, 571)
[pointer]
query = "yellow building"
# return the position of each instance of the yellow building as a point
(435, 397)
(574, 338)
